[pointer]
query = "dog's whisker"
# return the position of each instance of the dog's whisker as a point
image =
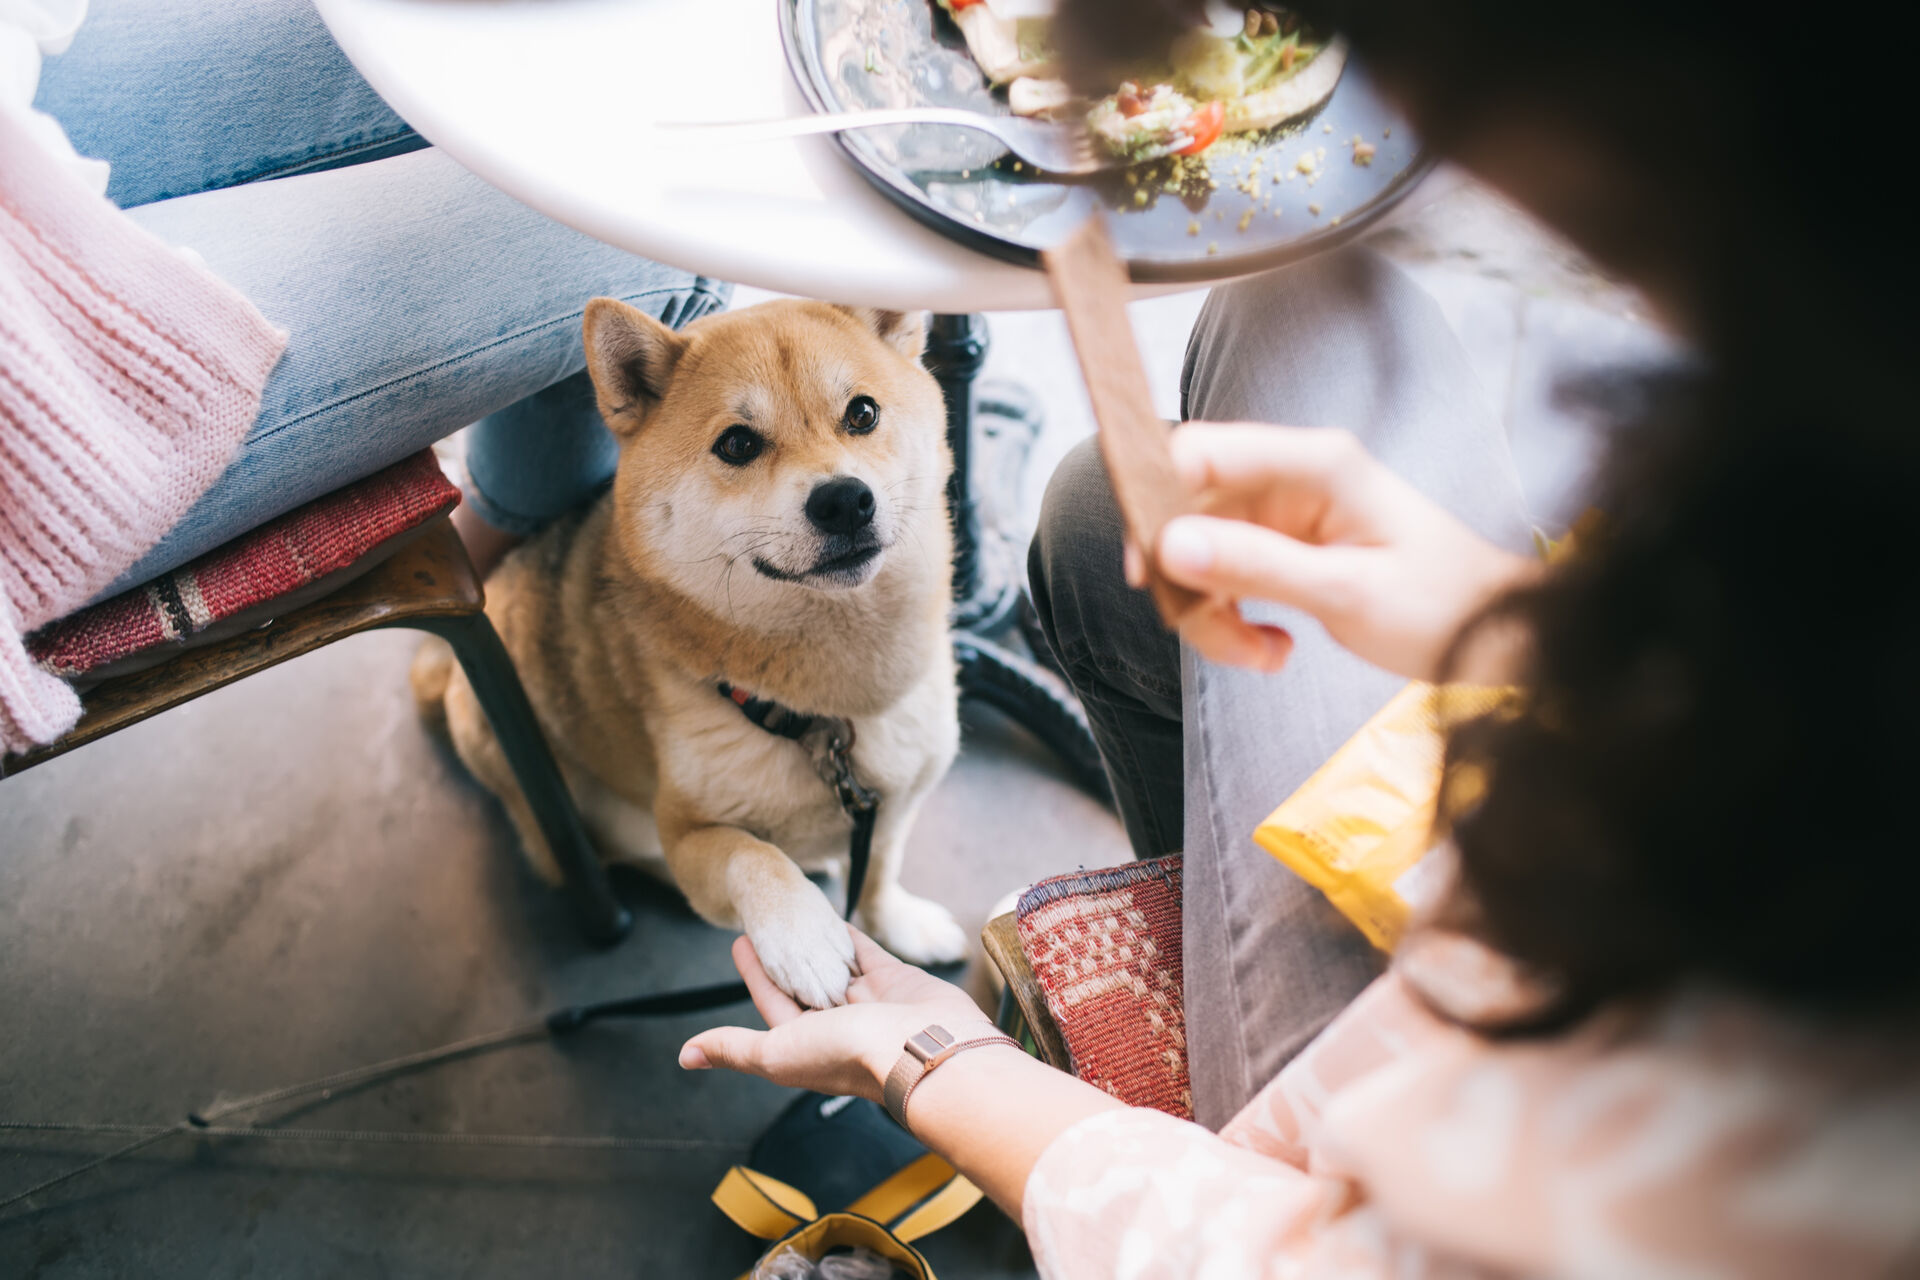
(918, 541)
(718, 555)
(753, 533)
(762, 539)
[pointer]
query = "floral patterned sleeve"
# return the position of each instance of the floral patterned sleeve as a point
(1137, 1193)
(1171, 1200)
(1693, 1135)
(1384, 1024)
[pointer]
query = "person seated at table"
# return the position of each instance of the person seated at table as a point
(1199, 752)
(1667, 1020)
(414, 299)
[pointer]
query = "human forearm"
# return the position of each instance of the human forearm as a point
(1030, 1136)
(992, 1111)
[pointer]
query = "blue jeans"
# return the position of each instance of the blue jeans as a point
(419, 299)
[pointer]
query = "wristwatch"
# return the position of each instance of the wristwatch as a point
(925, 1050)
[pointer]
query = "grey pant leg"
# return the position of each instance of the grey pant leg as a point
(1346, 341)
(1122, 663)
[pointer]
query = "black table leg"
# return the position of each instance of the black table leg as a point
(995, 642)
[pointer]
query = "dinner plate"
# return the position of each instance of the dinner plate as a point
(1260, 201)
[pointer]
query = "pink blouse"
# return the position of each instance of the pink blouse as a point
(1702, 1137)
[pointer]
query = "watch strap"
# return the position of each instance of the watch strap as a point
(926, 1049)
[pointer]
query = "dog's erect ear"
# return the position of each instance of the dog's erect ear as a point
(631, 357)
(904, 331)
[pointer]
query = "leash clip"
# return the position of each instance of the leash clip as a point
(833, 761)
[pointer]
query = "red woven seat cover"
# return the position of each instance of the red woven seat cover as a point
(292, 551)
(1105, 947)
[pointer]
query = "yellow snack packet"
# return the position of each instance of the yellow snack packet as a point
(1361, 828)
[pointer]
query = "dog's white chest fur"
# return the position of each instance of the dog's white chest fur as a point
(766, 784)
(760, 782)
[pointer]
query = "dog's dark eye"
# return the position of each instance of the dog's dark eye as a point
(863, 415)
(737, 446)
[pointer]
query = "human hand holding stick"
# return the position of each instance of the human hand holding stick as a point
(1090, 284)
(1220, 513)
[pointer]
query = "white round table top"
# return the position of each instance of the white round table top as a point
(554, 102)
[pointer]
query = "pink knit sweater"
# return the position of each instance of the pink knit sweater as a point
(128, 377)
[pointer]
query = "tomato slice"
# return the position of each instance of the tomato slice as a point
(1203, 126)
(958, 5)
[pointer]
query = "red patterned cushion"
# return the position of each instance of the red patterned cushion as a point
(1105, 947)
(317, 543)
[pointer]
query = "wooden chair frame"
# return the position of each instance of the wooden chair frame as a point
(1023, 1002)
(429, 584)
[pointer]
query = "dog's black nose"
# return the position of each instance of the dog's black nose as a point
(840, 505)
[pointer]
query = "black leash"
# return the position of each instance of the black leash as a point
(827, 739)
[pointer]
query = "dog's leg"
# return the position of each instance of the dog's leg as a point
(738, 881)
(918, 930)
(480, 751)
(431, 672)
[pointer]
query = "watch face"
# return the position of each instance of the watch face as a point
(929, 1041)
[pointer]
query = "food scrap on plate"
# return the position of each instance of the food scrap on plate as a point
(1247, 70)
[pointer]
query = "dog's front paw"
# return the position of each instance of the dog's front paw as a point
(805, 948)
(916, 929)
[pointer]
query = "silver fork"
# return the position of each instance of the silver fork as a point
(1065, 149)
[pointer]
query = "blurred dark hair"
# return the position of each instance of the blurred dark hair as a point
(1710, 771)
(1710, 774)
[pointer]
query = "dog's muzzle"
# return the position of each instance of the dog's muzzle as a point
(840, 560)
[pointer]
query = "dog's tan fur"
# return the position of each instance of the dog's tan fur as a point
(622, 619)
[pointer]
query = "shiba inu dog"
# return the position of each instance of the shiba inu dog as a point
(777, 524)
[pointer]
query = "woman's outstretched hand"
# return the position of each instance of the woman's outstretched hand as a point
(844, 1050)
(1306, 517)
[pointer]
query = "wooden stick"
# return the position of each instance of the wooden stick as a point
(1090, 284)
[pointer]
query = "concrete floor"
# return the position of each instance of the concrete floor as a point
(290, 877)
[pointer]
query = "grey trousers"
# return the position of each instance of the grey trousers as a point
(1198, 754)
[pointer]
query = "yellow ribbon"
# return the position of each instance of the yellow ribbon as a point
(915, 1201)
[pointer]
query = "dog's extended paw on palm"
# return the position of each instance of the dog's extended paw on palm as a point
(916, 929)
(806, 949)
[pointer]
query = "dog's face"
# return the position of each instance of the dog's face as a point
(790, 448)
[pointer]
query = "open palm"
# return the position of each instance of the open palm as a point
(847, 1049)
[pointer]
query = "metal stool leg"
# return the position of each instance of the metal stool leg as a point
(990, 609)
(497, 687)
